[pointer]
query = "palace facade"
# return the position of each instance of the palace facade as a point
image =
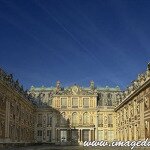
(84, 113)
(74, 114)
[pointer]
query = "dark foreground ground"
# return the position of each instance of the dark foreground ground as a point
(49, 147)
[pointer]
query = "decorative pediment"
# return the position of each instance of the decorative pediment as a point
(76, 90)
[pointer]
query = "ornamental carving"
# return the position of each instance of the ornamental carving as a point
(75, 90)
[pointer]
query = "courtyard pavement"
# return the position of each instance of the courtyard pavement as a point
(49, 147)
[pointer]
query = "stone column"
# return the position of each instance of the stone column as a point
(90, 135)
(96, 127)
(142, 125)
(53, 131)
(7, 121)
(78, 135)
(135, 132)
(81, 135)
(93, 134)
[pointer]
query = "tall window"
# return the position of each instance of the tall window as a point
(100, 99)
(100, 120)
(85, 118)
(63, 102)
(50, 102)
(63, 120)
(39, 133)
(74, 118)
(49, 119)
(109, 99)
(85, 102)
(39, 120)
(74, 102)
(109, 95)
(49, 135)
(110, 121)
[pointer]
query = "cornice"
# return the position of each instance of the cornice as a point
(127, 99)
(29, 103)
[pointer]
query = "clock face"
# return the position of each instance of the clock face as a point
(75, 89)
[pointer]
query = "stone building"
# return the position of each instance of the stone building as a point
(133, 110)
(74, 114)
(16, 112)
(85, 113)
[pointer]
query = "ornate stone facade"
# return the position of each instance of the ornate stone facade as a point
(72, 115)
(84, 113)
(16, 112)
(133, 110)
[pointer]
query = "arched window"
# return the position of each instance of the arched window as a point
(49, 119)
(63, 121)
(85, 118)
(74, 118)
(109, 95)
(100, 99)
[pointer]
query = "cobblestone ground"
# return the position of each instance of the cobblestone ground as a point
(48, 147)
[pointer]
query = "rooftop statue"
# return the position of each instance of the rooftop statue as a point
(92, 85)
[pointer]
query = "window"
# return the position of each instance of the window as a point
(63, 102)
(109, 95)
(74, 119)
(49, 135)
(39, 133)
(85, 102)
(110, 122)
(100, 120)
(74, 102)
(50, 102)
(85, 118)
(146, 103)
(39, 121)
(63, 120)
(49, 120)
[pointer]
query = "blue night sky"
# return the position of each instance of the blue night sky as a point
(75, 41)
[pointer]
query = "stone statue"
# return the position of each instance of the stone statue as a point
(58, 84)
(10, 78)
(135, 84)
(58, 87)
(92, 87)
